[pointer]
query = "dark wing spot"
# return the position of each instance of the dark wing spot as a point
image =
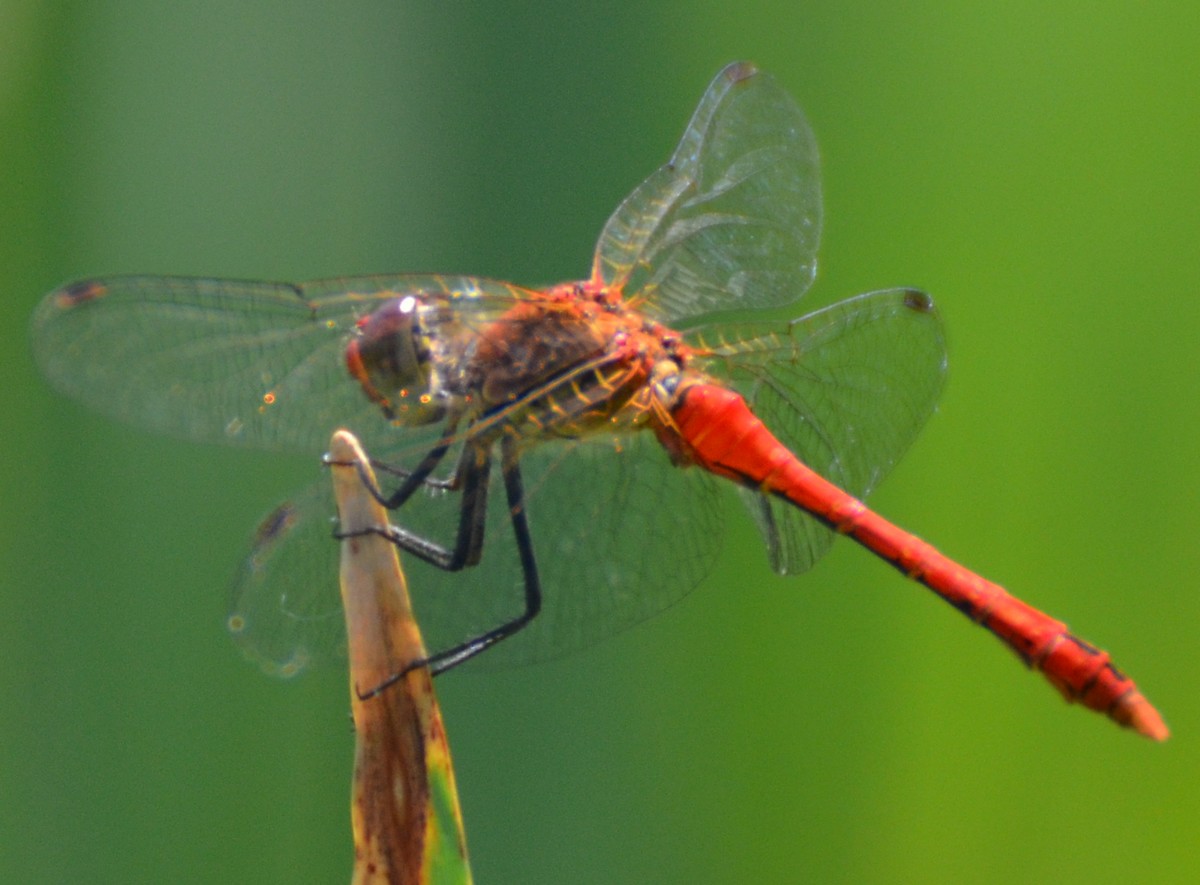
(915, 299)
(276, 523)
(74, 294)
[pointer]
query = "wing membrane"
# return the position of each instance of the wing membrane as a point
(733, 220)
(243, 363)
(847, 389)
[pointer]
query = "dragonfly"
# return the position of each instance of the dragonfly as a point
(587, 431)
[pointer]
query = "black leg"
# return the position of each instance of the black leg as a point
(444, 660)
(420, 475)
(445, 484)
(472, 478)
(415, 478)
(452, 657)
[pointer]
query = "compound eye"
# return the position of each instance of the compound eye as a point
(387, 343)
(388, 356)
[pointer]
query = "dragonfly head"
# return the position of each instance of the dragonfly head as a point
(389, 356)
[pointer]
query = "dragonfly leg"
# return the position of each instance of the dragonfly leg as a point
(472, 477)
(442, 661)
(444, 484)
(417, 477)
(514, 492)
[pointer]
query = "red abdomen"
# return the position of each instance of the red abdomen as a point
(717, 431)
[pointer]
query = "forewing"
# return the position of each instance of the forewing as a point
(847, 389)
(733, 220)
(244, 363)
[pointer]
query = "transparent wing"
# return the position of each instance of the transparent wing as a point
(244, 363)
(846, 388)
(621, 534)
(733, 220)
(611, 546)
(285, 606)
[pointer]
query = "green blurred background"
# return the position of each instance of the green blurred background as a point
(1035, 167)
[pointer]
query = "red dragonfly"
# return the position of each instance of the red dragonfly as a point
(589, 396)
